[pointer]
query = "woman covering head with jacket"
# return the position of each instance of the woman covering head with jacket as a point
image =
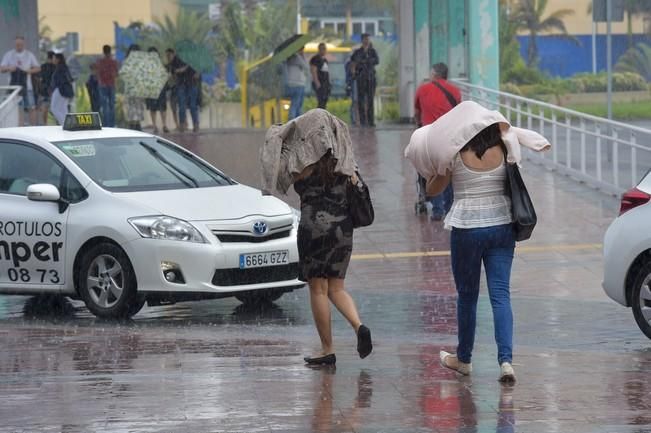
(314, 153)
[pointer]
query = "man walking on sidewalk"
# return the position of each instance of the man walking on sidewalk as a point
(433, 100)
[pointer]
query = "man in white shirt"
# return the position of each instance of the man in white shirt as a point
(22, 64)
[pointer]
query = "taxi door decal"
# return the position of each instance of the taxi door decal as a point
(32, 251)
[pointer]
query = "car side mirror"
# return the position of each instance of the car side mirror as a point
(43, 192)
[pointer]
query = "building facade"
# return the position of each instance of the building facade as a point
(94, 20)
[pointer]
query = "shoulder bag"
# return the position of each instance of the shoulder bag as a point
(522, 210)
(359, 203)
(451, 99)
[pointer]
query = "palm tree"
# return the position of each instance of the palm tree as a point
(636, 59)
(254, 31)
(528, 16)
(187, 26)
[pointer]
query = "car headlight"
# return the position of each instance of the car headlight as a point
(165, 227)
(297, 217)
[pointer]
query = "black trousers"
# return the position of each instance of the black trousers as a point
(365, 102)
(322, 94)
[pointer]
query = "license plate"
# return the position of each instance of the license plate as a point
(260, 260)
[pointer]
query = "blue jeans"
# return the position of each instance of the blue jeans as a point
(442, 203)
(469, 248)
(296, 95)
(107, 105)
(188, 97)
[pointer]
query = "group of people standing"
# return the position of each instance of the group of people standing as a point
(44, 88)
(182, 90)
(49, 88)
(361, 81)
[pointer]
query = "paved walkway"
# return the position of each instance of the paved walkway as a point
(215, 366)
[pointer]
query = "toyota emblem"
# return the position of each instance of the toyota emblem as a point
(260, 228)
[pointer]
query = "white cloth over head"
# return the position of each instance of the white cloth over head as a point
(432, 148)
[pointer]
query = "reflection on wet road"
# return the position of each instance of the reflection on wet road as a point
(216, 366)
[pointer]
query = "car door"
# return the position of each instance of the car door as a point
(32, 233)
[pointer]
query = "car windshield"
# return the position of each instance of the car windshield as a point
(140, 164)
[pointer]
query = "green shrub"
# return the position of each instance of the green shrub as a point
(511, 88)
(622, 82)
(520, 73)
(338, 107)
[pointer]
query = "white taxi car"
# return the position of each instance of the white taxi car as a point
(627, 254)
(118, 218)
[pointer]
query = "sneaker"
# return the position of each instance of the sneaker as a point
(449, 360)
(507, 374)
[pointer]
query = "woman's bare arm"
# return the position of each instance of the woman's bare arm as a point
(437, 184)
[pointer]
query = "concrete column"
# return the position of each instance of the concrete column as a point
(483, 42)
(421, 39)
(457, 53)
(439, 31)
(406, 72)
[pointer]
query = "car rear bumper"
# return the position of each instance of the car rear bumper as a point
(615, 266)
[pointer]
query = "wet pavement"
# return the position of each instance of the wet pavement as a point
(216, 366)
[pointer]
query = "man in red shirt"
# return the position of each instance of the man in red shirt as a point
(431, 101)
(434, 99)
(106, 69)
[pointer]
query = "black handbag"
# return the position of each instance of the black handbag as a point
(522, 210)
(359, 203)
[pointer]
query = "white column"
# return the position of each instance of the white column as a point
(406, 38)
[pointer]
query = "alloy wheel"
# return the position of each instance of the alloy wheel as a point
(105, 281)
(645, 299)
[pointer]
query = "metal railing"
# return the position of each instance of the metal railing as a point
(608, 155)
(9, 108)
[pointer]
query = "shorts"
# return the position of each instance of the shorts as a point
(44, 101)
(29, 101)
(157, 104)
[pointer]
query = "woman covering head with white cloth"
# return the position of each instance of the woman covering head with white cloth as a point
(314, 152)
(469, 147)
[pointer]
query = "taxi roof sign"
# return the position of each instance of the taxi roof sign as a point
(82, 122)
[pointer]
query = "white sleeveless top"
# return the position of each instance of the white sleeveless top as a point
(479, 199)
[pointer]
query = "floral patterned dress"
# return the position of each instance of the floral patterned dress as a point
(325, 233)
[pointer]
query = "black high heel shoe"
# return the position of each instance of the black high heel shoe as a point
(322, 360)
(364, 343)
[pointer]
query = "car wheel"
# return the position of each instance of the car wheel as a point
(107, 283)
(641, 299)
(257, 297)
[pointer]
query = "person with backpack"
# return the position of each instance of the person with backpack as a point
(61, 89)
(434, 99)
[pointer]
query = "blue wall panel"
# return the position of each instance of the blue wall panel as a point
(563, 58)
